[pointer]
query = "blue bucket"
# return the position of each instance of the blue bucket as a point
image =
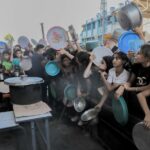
(52, 68)
(129, 41)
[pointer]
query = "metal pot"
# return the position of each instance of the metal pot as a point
(79, 104)
(89, 114)
(141, 136)
(24, 95)
(129, 16)
(25, 90)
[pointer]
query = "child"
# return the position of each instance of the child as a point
(91, 73)
(140, 80)
(7, 64)
(142, 100)
(117, 76)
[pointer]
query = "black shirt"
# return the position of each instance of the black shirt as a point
(142, 75)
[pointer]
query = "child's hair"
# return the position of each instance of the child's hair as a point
(83, 58)
(63, 56)
(50, 54)
(17, 50)
(6, 52)
(17, 47)
(108, 60)
(125, 59)
(145, 50)
(38, 47)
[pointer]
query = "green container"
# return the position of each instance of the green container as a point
(120, 110)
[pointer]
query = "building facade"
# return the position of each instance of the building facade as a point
(94, 29)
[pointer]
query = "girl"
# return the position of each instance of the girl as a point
(140, 81)
(92, 77)
(117, 76)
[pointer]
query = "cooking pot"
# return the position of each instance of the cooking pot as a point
(141, 136)
(25, 90)
(89, 114)
(79, 104)
(129, 16)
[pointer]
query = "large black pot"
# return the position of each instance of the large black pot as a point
(24, 95)
(25, 90)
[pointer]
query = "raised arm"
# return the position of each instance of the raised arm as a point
(88, 71)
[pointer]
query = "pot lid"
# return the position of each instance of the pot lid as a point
(23, 41)
(57, 38)
(99, 53)
(34, 42)
(120, 110)
(141, 136)
(23, 81)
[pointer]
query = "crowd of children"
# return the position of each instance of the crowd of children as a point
(114, 75)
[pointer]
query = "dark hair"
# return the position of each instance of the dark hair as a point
(17, 46)
(83, 58)
(108, 60)
(18, 50)
(63, 56)
(50, 54)
(125, 59)
(145, 50)
(38, 47)
(6, 52)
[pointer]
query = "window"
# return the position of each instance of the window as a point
(93, 25)
(89, 26)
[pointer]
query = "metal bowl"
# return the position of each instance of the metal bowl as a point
(89, 114)
(129, 16)
(141, 136)
(79, 104)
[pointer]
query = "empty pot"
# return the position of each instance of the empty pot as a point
(129, 16)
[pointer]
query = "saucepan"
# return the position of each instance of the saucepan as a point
(129, 16)
(79, 104)
(89, 114)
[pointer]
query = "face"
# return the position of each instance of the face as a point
(6, 56)
(117, 61)
(41, 51)
(139, 58)
(66, 62)
(19, 54)
(103, 65)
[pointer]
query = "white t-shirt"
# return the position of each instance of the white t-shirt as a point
(122, 78)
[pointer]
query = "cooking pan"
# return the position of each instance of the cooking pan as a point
(79, 104)
(129, 16)
(89, 114)
(141, 136)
